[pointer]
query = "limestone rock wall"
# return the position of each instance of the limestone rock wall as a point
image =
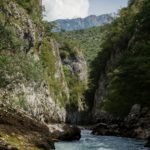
(40, 97)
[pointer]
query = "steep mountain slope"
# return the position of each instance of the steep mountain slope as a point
(79, 23)
(33, 76)
(122, 65)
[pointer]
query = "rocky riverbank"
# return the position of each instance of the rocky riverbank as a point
(135, 125)
(18, 131)
(64, 132)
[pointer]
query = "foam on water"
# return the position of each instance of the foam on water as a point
(92, 142)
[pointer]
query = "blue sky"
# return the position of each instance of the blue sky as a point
(106, 6)
(68, 9)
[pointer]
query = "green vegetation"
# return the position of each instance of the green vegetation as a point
(9, 40)
(67, 46)
(22, 64)
(19, 68)
(88, 40)
(76, 87)
(70, 52)
(16, 66)
(16, 140)
(49, 61)
(33, 8)
(28, 60)
(129, 81)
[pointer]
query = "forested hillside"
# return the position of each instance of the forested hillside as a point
(88, 40)
(121, 69)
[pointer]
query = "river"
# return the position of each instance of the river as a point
(92, 142)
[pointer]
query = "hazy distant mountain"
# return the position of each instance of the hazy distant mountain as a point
(82, 23)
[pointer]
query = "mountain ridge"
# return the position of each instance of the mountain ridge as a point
(82, 23)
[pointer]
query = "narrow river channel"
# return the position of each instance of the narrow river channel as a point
(92, 142)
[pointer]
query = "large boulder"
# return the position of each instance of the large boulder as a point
(148, 143)
(135, 125)
(134, 113)
(64, 132)
(105, 129)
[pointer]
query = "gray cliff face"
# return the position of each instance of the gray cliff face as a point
(77, 67)
(38, 97)
(101, 92)
(104, 80)
(22, 24)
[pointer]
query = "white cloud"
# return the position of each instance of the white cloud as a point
(65, 9)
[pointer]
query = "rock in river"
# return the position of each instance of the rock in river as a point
(64, 132)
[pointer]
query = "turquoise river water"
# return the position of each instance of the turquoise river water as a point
(92, 142)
